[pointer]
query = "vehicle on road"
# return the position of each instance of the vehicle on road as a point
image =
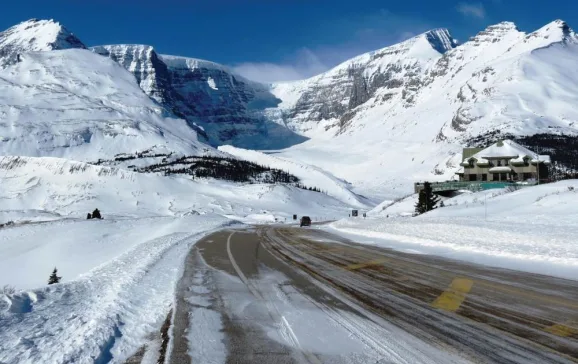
(305, 221)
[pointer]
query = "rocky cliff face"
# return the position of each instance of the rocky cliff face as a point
(430, 78)
(222, 107)
(32, 36)
(392, 74)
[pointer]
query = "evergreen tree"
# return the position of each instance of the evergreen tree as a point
(96, 214)
(431, 200)
(427, 201)
(54, 278)
(420, 206)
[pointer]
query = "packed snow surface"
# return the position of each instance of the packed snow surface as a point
(118, 283)
(532, 229)
(309, 175)
(79, 105)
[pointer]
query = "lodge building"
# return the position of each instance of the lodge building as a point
(503, 161)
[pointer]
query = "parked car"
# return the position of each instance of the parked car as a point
(305, 221)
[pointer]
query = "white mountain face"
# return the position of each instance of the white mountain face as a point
(32, 36)
(224, 108)
(381, 120)
(76, 104)
(387, 118)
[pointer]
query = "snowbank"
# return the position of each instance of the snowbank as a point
(118, 284)
(532, 229)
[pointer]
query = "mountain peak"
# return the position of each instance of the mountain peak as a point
(35, 35)
(440, 39)
(555, 31)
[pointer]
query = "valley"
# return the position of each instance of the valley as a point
(202, 175)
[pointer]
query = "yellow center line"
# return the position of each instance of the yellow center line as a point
(564, 330)
(454, 296)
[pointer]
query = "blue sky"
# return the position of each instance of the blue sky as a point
(279, 39)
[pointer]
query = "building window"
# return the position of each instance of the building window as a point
(499, 163)
(484, 177)
(495, 177)
(473, 177)
(503, 176)
(471, 162)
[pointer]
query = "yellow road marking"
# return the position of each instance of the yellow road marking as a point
(366, 264)
(454, 296)
(563, 330)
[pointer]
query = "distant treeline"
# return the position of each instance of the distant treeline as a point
(222, 168)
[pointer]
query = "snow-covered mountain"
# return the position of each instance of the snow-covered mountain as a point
(76, 104)
(381, 120)
(390, 117)
(59, 99)
(32, 36)
(428, 78)
(221, 106)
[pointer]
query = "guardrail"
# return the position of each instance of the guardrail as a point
(473, 186)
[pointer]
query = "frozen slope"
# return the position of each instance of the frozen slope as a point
(76, 104)
(72, 189)
(531, 229)
(119, 277)
(309, 175)
(389, 118)
(32, 36)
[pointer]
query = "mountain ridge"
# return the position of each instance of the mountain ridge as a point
(427, 90)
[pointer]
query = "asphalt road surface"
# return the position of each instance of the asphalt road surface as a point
(301, 295)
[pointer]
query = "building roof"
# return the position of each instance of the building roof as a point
(508, 149)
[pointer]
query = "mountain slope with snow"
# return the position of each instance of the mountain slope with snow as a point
(381, 120)
(72, 189)
(76, 104)
(32, 36)
(309, 175)
(223, 107)
(389, 118)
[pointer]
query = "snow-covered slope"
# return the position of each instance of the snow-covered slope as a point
(34, 35)
(220, 105)
(388, 118)
(76, 104)
(72, 189)
(531, 229)
(309, 175)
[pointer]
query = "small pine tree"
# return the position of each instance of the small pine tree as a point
(427, 201)
(54, 278)
(96, 214)
(420, 206)
(430, 199)
(442, 204)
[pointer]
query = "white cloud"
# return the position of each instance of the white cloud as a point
(304, 64)
(475, 10)
(358, 33)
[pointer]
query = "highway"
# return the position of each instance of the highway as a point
(278, 294)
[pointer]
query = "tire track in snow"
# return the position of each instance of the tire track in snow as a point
(284, 328)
